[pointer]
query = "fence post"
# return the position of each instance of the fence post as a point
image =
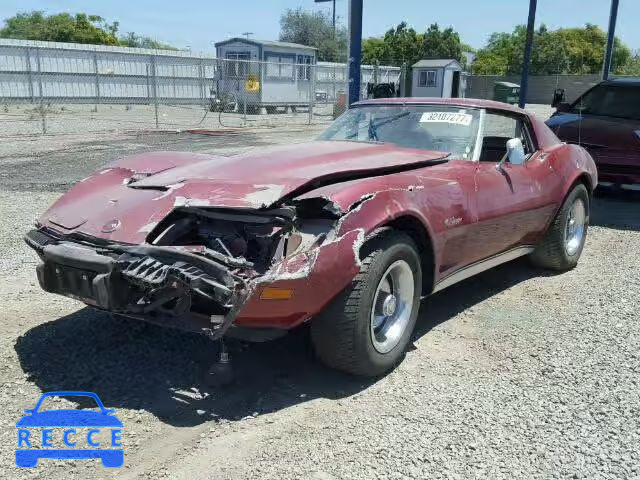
(173, 79)
(42, 114)
(148, 83)
(242, 87)
(244, 114)
(312, 91)
(95, 68)
(154, 87)
(29, 72)
(333, 83)
(203, 94)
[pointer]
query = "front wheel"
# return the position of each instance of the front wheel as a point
(366, 329)
(563, 243)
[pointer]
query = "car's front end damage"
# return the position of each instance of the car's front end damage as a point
(203, 269)
(183, 240)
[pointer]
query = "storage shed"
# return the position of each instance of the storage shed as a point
(283, 79)
(437, 78)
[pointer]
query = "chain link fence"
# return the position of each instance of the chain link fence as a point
(70, 90)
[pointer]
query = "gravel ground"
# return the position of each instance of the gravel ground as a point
(514, 374)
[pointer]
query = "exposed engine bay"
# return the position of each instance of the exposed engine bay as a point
(250, 241)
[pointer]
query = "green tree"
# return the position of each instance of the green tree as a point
(404, 44)
(131, 39)
(373, 49)
(61, 27)
(441, 44)
(314, 29)
(565, 51)
(631, 67)
(585, 49)
(78, 28)
(467, 48)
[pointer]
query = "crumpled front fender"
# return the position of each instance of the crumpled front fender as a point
(315, 277)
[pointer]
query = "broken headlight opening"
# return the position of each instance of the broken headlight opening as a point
(249, 241)
(196, 270)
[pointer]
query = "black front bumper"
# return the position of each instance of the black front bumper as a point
(159, 284)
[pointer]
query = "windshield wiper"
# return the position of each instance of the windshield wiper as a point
(373, 127)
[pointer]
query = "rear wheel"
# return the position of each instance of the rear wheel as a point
(365, 331)
(563, 244)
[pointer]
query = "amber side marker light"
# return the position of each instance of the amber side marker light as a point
(270, 293)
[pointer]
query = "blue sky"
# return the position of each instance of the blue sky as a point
(199, 23)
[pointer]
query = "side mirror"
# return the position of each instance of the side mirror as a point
(515, 154)
(558, 97)
(563, 107)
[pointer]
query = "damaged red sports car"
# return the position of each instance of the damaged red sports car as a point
(397, 199)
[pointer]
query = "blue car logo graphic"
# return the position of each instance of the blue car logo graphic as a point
(29, 440)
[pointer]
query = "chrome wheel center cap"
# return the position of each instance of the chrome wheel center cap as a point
(389, 305)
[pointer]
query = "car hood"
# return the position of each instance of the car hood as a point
(122, 203)
(596, 132)
(69, 418)
(293, 166)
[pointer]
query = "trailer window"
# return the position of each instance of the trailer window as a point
(279, 66)
(304, 67)
(237, 64)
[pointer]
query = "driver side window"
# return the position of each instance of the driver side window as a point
(498, 129)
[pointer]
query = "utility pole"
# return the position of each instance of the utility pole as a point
(611, 35)
(334, 13)
(355, 50)
(246, 34)
(334, 18)
(524, 83)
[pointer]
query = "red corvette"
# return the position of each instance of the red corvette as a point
(398, 199)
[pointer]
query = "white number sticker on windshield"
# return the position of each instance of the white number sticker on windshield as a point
(447, 117)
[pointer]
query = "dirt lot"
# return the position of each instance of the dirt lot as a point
(20, 119)
(513, 374)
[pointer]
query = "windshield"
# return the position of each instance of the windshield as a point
(611, 101)
(427, 127)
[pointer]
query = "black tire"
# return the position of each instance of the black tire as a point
(341, 335)
(552, 252)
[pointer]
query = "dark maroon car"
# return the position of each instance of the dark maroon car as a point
(606, 121)
(398, 199)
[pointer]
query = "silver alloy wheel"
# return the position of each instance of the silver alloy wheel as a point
(392, 306)
(574, 232)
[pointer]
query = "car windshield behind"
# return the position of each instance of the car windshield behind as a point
(611, 101)
(441, 128)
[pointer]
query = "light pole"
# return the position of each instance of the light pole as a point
(334, 12)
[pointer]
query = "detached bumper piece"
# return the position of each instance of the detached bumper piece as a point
(162, 285)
